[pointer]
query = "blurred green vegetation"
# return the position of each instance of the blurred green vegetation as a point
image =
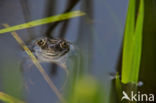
(9, 99)
(87, 90)
(12, 83)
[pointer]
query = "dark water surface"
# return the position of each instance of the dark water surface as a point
(98, 34)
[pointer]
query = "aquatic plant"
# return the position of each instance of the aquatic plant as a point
(132, 46)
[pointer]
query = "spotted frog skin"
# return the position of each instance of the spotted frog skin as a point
(50, 49)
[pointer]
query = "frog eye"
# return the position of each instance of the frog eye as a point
(63, 45)
(41, 42)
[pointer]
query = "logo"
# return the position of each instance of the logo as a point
(137, 96)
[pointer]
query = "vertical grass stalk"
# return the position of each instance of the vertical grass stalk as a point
(132, 43)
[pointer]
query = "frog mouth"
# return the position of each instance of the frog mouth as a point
(55, 54)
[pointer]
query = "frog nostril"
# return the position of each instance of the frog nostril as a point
(52, 46)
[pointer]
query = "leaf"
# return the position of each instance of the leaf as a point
(132, 43)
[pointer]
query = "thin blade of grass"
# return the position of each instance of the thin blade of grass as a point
(9, 99)
(37, 64)
(138, 42)
(132, 44)
(46, 20)
(127, 47)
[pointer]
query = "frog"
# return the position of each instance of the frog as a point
(58, 51)
(53, 50)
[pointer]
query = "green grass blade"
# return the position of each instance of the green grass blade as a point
(138, 42)
(9, 99)
(132, 44)
(130, 22)
(43, 21)
(127, 47)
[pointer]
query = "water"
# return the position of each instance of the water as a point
(98, 35)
